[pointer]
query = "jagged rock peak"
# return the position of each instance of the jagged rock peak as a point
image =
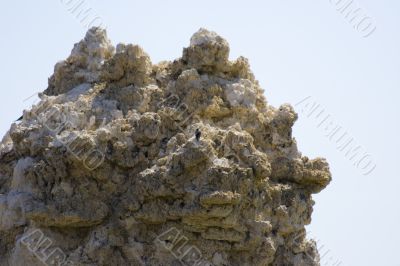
(204, 36)
(126, 162)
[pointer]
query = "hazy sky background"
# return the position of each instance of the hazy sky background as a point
(296, 49)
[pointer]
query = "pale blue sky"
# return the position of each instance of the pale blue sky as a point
(296, 49)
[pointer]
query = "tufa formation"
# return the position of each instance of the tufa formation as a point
(126, 162)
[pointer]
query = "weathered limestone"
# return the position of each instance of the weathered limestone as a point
(107, 167)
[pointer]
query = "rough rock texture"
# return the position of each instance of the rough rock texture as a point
(106, 168)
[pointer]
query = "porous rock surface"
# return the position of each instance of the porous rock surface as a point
(107, 169)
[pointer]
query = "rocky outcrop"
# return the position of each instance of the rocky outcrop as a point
(106, 169)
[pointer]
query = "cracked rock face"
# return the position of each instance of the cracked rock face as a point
(107, 168)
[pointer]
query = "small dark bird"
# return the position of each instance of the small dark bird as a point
(198, 134)
(19, 119)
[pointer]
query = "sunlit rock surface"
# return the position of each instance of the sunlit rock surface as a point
(106, 169)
